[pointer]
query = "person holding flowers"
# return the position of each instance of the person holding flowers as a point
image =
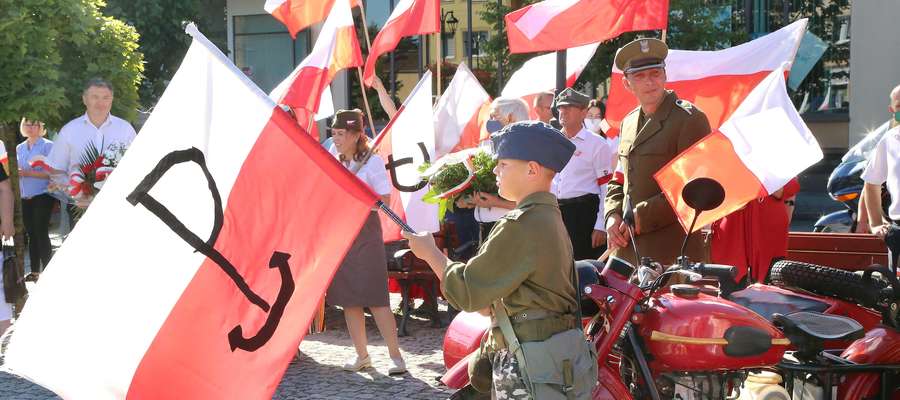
(489, 207)
(84, 139)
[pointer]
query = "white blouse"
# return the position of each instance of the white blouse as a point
(372, 173)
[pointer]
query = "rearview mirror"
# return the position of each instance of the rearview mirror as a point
(703, 194)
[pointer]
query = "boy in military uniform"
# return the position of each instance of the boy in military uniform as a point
(656, 132)
(524, 272)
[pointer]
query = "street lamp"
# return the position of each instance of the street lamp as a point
(449, 23)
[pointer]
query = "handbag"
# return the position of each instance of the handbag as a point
(13, 282)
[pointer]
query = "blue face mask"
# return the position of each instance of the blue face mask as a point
(493, 125)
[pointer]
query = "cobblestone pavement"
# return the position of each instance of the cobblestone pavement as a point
(317, 374)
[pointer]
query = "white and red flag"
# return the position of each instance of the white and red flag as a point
(405, 144)
(460, 114)
(716, 81)
(539, 74)
(409, 18)
(336, 49)
(298, 15)
(561, 24)
(197, 269)
(760, 148)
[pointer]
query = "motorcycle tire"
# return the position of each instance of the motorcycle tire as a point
(826, 281)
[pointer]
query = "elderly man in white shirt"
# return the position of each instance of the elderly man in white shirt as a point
(580, 186)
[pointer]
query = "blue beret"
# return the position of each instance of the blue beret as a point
(533, 141)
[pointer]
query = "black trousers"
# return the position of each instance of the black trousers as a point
(36, 216)
(579, 214)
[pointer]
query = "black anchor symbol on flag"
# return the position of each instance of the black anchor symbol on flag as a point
(279, 260)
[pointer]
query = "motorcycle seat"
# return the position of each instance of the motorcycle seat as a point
(821, 326)
(808, 330)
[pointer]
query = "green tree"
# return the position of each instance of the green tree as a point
(825, 19)
(163, 42)
(48, 49)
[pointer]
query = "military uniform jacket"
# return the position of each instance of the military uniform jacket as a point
(644, 150)
(526, 260)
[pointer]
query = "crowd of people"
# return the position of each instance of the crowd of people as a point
(562, 183)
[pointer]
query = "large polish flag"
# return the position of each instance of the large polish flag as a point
(460, 113)
(539, 74)
(196, 271)
(762, 146)
(405, 144)
(298, 15)
(409, 18)
(336, 49)
(561, 24)
(716, 81)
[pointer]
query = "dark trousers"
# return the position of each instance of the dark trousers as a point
(579, 214)
(36, 216)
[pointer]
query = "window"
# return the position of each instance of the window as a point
(406, 56)
(264, 50)
(448, 45)
(479, 39)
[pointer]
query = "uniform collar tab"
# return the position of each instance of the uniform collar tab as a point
(538, 198)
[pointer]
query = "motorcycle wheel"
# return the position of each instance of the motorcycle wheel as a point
(826, 281)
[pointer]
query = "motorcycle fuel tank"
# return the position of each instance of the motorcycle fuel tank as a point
(693, 331)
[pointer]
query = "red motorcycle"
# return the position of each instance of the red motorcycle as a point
(669, 334)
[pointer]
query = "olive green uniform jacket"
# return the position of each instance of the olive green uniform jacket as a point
(526, 260)
(647, 144)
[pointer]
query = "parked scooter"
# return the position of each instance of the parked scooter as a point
(845, 185)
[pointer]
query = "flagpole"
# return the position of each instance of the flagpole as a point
(664, 35)
(362, 84)
(362, 88)
(362, 13)
(394, 217)
(440, 49)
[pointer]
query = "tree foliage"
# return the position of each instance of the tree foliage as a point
(163, 42)
(824, 22)
(49, 48)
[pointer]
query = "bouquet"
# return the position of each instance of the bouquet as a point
(95, 166)
(458, 175)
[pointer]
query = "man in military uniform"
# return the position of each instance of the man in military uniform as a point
(656, 132)
(523, 272)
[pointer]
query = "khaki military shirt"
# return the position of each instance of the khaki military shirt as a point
(526, 260)
(648, 143)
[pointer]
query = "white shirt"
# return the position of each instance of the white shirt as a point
(591, 162)
(75, 136)
(372, 173)
(884, 166)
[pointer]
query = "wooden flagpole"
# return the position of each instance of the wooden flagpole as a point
(362, 85)
(440, 56)
(664, 35)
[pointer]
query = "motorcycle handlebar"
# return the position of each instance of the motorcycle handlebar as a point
(717, 270)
